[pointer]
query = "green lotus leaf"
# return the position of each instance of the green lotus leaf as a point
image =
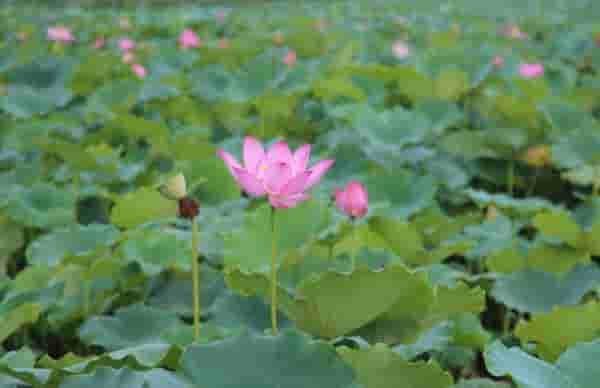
(141, 206)
(73, 241)
(381, 367)
(539, 292)
(126, 378)
(289, 359)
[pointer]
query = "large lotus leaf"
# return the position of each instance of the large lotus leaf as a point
(525, 370)
(152, 131)
(490, 236)
(405, 192)
(539, 292)
(126, 378)
(400, 236)
(24, 102)
(17, 368)
(157, 250)
(381, 367)
(577, 148)
(290, 360)
(559, 226)
(451, 84)
(13, 320)
(574, 369)
(518, 206)
(112, 97)
(71, 241)
(130, 327)
(584, 175)
(555, 259)
(173, 290)
(143, 356)
(318, 303)
(141, 206)
(42, 206)
(574, 323)
(219, 185)
(249, 248)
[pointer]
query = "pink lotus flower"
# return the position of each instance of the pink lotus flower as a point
(400, 49)
(126, 44)
(354, 200)
(60, 34)
(278, 173)
(99, 43)
(290, 58)
(498, 61)
(139, 70)
(189, 39)
(531, 70)
(223, 43)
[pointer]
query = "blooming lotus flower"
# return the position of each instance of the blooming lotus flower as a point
(354, 200)
(99, 43)
(277, 172)
(531, 70)
(60, 34)
(126, 44)
(400, 49)
(189, 39)
(498, 61)
(139, 70)
(290, 58)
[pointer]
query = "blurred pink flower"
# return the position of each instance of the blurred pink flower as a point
(128, 58)
(223, 43)
(513, 32)
(100, 43)
(139, 70)
(189, 39)
(400, 49)
(290, 58)
(531, 70)
(126, 44)
(221, 16)
(498, 61)
(354, 200)
(60, 34)
(278, 173)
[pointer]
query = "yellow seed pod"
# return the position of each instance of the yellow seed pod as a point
(537, 156)
(492, 213)
(175, 188)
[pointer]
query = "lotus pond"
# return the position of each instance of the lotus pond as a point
(280, 195)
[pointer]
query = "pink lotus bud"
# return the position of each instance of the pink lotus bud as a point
(290, 58)
(126, 44)
(354, 200)
(100, 43)
(139, 70)
(531, 70)
(189, 39)
(498, 61)
(60, 34)
(400, 49)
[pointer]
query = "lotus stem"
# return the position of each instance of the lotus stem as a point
(273, 273)
(196, 278)
(511, 176)
(355, 245)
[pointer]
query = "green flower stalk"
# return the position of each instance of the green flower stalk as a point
(188, 209)
(273, 274)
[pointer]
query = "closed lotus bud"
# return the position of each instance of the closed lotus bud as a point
(188, 208)
(354, 200)
(175, 188)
